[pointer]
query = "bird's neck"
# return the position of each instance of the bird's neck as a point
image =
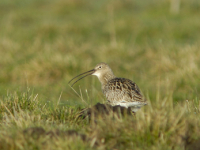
(104, 78)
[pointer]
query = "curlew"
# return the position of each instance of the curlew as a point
(118, 91)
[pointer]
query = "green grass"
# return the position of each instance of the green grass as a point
(43, 44)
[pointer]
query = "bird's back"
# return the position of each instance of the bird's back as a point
(124, 92)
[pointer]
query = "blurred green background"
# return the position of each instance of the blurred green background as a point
(45, 43)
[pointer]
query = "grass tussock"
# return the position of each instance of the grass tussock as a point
(167, 126)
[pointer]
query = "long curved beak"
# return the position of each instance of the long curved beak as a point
(90, 72)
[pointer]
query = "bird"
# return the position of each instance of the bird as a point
(118, 91)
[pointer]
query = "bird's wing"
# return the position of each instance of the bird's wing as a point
(123, 90)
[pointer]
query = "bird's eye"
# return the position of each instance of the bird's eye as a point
(99, 67)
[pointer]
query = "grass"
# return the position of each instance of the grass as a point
(43, 44)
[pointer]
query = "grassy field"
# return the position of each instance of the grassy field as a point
(45, 43)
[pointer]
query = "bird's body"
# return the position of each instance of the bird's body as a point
(123, 92)
(118, 91)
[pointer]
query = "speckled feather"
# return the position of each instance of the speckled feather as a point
(122, 90)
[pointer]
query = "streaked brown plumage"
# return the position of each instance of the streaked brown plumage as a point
(118, 91)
